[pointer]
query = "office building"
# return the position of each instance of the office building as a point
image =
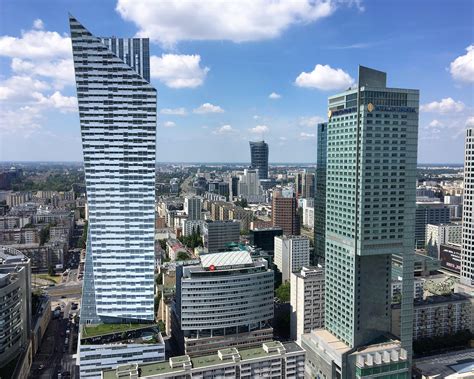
(438, 316)
(304, 184)
(320, 199)
(428, 211)
(264, 238)
(259, 158)
(454, 203)
(370, 207)
(225, 301)
(15, 306)
(467, 254)
(273, 360)
(285, 213)
(234, 186)
(218, 235)
(437, 235)
(249, 186)
(307, 301)
(291, 254)
(450, 257)
(117, 112)
(192, 207)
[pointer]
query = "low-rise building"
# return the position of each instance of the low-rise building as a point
(106, 346)
(271, 360)
(437, 316)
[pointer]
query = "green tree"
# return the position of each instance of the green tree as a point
(44, 235)
(182, 256)
(51, 271)
(283, 292)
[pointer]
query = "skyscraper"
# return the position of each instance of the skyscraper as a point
(467, 252)
(320, 198)
(370, 208)
(192, 207)
(259, 158)
(117, 111)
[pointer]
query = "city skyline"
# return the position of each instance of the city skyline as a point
(222, 88)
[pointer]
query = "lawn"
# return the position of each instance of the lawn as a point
(97, 330)
(54, 279)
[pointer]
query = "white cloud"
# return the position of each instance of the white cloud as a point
(38, 24)
(178, 71)
(435, 124)
(256, 117)
(21, 88)
(325, 78)
(58, 101)
(306, 136)
(169, 124)
(171, 21)
(208, 108)
(311, 122)
(282, 138)
(447, 105)
(462, 68)
(260, 129)
(36, 44)
(174, 111)
(61, 71)
(274, 96)
(224, 129)
(470, 122)
(23, 121)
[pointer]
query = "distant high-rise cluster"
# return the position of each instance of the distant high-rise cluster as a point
(259, 158)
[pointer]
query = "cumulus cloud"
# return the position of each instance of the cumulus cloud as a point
(306, 136)
(224, 129)
(21, 88)
(311, 121)
(282, 138)
(61, 71)
(38, 24)
(260, 129)
(170, 21)
(58, 101)
(447, 105)
(274, 96)
(178, 71)
(174, 111)
(208, 108)
(169, 124)
(435, 124)
(470, 122)
(325, 78)
(23, 121)
(462, 68)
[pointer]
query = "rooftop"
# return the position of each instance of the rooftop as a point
(104, 329)
(226, 259)
(175, 364)
(443, 365)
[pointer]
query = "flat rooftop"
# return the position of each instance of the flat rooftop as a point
(160, 368)
(443, 365)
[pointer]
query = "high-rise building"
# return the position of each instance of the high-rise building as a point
(428, 212)
(117, 112)
(291, 254)
(320, 199)
(304, 184)
(437, 235)
(264, 238)
(15, 306)
(226, 300)
(467, 253)
(285, 213)
(370, 207)
(249, 186)
(307, 301)
(192, 207)
(218, 235)
(259, 158)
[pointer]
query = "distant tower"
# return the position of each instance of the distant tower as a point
(467, 255)
(259, 158)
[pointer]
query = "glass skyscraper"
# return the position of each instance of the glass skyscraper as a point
(117, 111)
(370, 213)
(259, 158)
(320, 198)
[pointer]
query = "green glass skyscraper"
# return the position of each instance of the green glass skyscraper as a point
(370, 203)
(320, 196)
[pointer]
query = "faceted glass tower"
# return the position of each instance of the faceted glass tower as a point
(117, 111)
(259, 158)
(370, 208)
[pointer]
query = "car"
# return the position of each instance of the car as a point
(41, 367)
(68, 331)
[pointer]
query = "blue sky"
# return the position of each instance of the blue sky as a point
(216, 65)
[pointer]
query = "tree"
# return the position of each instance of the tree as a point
(51, 271)
(44, 235)
(283, 292)
(182, 256)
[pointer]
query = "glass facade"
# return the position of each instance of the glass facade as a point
(320, 198)
(117, 111)
(370, 205)
(259, 158)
